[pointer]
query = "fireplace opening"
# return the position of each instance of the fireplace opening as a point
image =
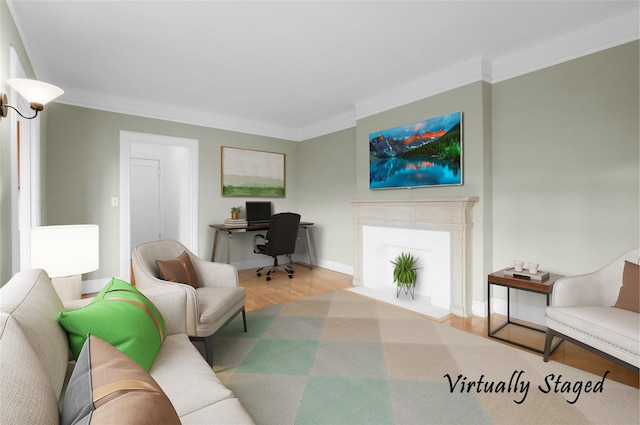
(381, 245)
(438, 231)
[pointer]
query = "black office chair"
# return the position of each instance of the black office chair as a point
(280, 240)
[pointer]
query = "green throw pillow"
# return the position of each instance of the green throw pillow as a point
(121, 316)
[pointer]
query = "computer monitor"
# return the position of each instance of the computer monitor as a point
(258, 212)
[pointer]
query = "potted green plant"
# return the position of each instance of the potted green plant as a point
(235, 212)
(405, 273)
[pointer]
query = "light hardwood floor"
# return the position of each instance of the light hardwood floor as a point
(305, 283)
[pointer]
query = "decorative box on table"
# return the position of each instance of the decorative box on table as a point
(540, 276)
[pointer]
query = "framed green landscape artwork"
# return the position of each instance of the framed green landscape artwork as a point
(425, 153)
(247, 172)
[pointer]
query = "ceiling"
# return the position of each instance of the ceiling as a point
(298, 69)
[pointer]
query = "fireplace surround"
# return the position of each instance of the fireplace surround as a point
(452, 215)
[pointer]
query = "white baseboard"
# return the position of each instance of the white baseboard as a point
(253, 263)
(332, 265)
(479, 308)
(530, 313)
(527, 312)
(94, 285)
(264, 261)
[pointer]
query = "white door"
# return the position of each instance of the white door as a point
(157, 204)
(145, 198)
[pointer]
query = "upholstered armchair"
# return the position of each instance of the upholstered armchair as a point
(213, 295)
(599, 311)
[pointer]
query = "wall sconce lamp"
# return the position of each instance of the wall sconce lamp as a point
(36, 92)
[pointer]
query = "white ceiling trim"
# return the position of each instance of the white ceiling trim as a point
(169, 112)
(462, 73)
(330, 125)
(598, 35)
(607, 32)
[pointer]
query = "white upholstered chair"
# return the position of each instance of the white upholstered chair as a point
(582, 311)
(213, 304)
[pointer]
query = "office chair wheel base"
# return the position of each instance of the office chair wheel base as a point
(268, 278)
(290, 276)
(258, 274)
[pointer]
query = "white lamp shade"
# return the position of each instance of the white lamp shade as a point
(35, 91)
(65, 250)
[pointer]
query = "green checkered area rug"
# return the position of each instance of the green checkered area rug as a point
(343, 359)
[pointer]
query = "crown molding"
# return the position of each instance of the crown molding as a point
(457, 75)
(330, 125)
(606, 32)
(167, 112)
(603, 33)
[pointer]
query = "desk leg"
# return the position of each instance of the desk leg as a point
(229, 247)
(215, 245)
(308, 236)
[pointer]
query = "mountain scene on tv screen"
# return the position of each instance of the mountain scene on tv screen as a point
(427, 153)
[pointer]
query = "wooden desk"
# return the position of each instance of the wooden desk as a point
(510, 282)
(229, 231)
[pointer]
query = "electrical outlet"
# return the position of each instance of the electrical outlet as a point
(114, 202)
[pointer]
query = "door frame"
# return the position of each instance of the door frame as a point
(26, 206)
(127, 139)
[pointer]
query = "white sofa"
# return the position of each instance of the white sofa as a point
(581, 311)
(34, 358)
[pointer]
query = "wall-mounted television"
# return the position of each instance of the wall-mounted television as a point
(425, 153)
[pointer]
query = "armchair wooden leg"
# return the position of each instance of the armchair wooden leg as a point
(208, 349)
(244, 319)
(547, 345)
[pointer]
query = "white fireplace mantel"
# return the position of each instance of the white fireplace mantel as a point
(449, 214)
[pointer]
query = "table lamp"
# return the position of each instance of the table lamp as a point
(65, 253)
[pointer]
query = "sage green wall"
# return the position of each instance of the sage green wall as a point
(9, 37)
(327, 184)
(566, 163)
(472, 100)
(83, 173)
(553, 156)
